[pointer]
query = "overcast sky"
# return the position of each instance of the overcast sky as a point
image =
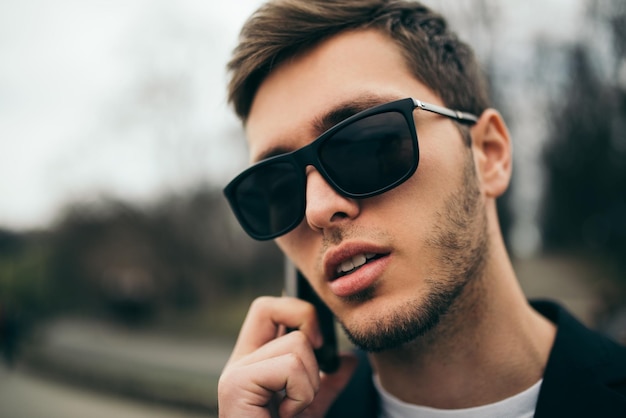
(126, 97)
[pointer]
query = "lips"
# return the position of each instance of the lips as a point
(352, 268)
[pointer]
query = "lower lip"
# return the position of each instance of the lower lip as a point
(360, 279)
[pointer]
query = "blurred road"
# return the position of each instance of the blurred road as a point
(107, 366)
(135, 345)
(26, 396)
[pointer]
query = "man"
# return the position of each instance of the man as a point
(377, 162)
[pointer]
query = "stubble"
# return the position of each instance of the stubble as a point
(459, 238)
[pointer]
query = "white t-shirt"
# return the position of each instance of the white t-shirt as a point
(521, 405)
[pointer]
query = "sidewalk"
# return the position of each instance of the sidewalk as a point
(26, 395)
(130, 362)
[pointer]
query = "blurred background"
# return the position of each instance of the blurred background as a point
(123, 276)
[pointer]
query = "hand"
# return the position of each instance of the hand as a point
(271, 373)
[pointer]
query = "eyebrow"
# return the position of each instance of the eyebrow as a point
(332, 117)
(272, 152)
(344, 110)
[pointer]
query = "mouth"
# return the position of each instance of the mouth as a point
(354, 263)
(355, 267)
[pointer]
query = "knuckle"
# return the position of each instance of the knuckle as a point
(307, 396)
(224, 386)
(228, 378)
(309, 310)
(261, 304)
(298, 338)
(293, 363)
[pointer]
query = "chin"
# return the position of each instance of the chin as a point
(377, 325)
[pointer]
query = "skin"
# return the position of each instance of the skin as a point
(487, 344)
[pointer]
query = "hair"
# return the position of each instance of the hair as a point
(283, 28)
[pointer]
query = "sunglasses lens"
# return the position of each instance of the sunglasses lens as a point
(269, 200)
(370, 155)
(363, 158)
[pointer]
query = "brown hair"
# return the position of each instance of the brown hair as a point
(282, 28)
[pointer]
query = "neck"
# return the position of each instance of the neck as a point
(490, 345)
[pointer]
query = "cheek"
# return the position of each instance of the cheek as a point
(299, 246)
(439, 174)
(413, 211)
(286, 243)
(411, 207)
(440, 166)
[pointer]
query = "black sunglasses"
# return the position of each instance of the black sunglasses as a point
(365, 155)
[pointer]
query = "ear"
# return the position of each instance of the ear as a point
(492, 148)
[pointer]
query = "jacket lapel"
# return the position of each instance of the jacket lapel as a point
(586, 372)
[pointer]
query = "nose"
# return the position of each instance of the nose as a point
(325, 207)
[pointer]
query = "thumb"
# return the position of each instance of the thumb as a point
(331, 385)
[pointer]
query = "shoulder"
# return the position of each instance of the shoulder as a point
(586, 371)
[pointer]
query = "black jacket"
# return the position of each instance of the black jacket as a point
(585, 375)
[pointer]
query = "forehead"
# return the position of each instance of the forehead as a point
(355, 70)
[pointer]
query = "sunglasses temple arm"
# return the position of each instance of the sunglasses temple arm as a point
(454, 114)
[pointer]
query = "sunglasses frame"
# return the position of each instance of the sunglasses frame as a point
(309, 155)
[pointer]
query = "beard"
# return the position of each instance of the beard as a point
(460, 241)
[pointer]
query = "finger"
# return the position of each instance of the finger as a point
(265, 317)
(298, 395)
(294, 343)
(249, 390)
(331, 386)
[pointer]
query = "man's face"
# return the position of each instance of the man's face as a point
(421, 242)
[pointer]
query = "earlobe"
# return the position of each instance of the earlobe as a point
(492, 147)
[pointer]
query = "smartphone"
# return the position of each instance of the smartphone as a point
(297, 286)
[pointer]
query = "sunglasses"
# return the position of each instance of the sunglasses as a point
(365, 155)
